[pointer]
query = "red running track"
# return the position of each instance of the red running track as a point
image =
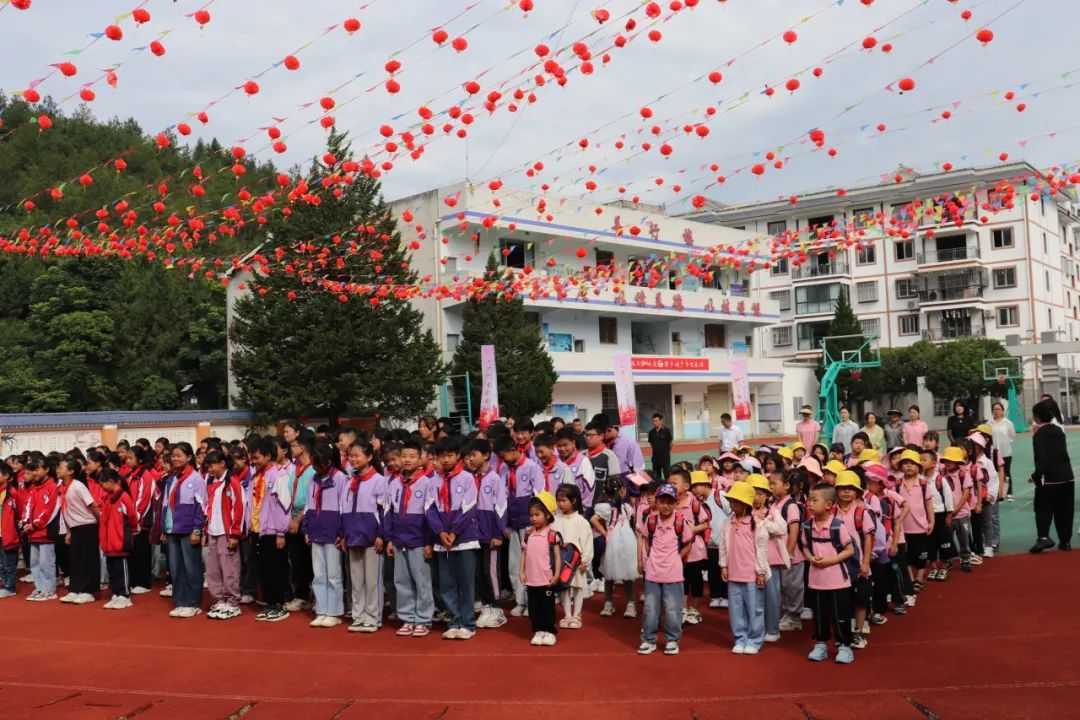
(1003, 642)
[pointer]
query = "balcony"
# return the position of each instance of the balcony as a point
(954, 332)
(815, 307)
(813, 270)
(952, 294)
(949, 255)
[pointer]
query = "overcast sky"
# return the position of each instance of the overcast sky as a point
(1033, 44)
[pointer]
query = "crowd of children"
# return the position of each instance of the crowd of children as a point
(426, 527)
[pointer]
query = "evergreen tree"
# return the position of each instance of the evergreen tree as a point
(309, 353)
(845, 323)
(524, 368)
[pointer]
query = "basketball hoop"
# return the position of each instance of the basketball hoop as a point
(856, 375)
(1001, 378)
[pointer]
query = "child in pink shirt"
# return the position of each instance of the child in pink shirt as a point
(698, 516)
(792, 582)
(744, 565)
(537, 571)
(664, 541)
(828, 546)
(962, 489)
(859, 522)
(918, 522)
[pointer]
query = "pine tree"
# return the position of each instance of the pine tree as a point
(524, 368)
(299, 349)
(845, 324)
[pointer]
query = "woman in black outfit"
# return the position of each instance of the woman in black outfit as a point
(960, 423)
(1053, 478)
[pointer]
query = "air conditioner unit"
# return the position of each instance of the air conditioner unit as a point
(912, 305)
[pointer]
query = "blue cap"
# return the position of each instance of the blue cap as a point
(667, 490)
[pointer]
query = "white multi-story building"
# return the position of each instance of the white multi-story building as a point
(680, 333)
(991, 271)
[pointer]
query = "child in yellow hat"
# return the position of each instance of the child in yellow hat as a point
(744, 564)
(918, 518)
(540, 567)
(861, 527)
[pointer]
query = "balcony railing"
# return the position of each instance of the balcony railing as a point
(952, 294)
(969, 252)
(811, 308)
(954, 332)
(818, 270)
(809, 344)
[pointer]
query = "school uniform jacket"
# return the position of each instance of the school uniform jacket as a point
(490, 507)
(451, 506)
(523, 481)
(584, 477)
(273, 494)
(364, 502)
(322, 513)
(232, 505)
(41, 508)
(406, 521)
(118, 525)
(142, 486)
(558, 473)
(185, 497)
(9, 513)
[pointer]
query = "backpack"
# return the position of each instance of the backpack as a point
(850, 567)
(571, 560)
(695, 509)
(650, 527)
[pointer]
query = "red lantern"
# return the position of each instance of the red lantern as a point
(459, 44)
(31, 95)
(68, 69)
(790, 37)
(87, 95)
(351, 25)
(85, 180)
(906, 84)
(792, 85)
(202, 17)
(715, 77)
(291, 62)
(183, 128)
(157, 48)
(140, 15)
(985, 36)
(251, 87)
(327, 103)
(44, 122)
(439, 36)
(113, 32)
(869, 42)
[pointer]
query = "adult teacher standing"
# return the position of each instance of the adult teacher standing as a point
(1053, 478)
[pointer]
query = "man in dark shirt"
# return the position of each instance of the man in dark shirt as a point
(579, 433)
(660, 441)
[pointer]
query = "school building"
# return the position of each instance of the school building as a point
(680, 331)
(985, 271)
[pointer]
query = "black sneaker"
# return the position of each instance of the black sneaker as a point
(262, 615)
(275, 614)
(966, 567)
(1042, 544)
(1065, 546)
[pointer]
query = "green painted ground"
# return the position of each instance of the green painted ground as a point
(1017, 517)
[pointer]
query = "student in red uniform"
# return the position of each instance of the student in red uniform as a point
(9, 531)
(119, 524)
(221, 534)
(41, 524)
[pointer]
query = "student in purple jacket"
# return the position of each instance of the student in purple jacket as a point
(524, 479)
(321, 524)
(451, 514)
(271, 500)
(364, 504)
(410, 544)
(490, 527)
(183, 517)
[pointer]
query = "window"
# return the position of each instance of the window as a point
(1046, 248)
(909, 324)
(1008, 316)
(866, 291)
(452, 341)
(942, 406)
(781, 336)
(870, 326)
(867, 256)
(862, 217)
(905, 249)
(783, 297)
(516, 253)
(715, 335)
(579, 346)
(609, 331)
(1048, 280)
(810, 335)
(532, 318)
(905, 288)
(820, 222)
(608, 397)
(816, 298)
(1002, 238)
(777, 228)
(780, 266)
(604, 257)
(1004, 277)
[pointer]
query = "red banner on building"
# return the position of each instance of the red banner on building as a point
(670, 364)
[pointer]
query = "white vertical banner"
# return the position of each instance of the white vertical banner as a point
(624, 390)
(740, 382)
(489, 393)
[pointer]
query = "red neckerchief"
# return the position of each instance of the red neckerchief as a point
(358, 478)
(572, 460)
(597, 451)
(444, 491)
(258, 487)
(318, 491)
(548, 470)
(524, 449)
(407, 486)
(512, 475)
(176, 486)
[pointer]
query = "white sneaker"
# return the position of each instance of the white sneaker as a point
(139, 590)
(537, 639)
(111, 605)
(69, 598)
(465, 634)
(27, 578)
(692, 617)
(67, 582)
(124, 603)
(330, 621)
(518, 611)
(750, 650)
(497, 618)
(548, 639)
(910, 600)
(609, 610)
(167, 592)
(189, 612)
(176, 612)
(483, 617)
(715, 603)
(246, 599)
(317, 622)
(772, 638)
(787, 624)
(631, 611)
(294, 605)
(988, 552)
(228, 613)
(84, 599)
(806, 614)
(6, 594)
(451, 634)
